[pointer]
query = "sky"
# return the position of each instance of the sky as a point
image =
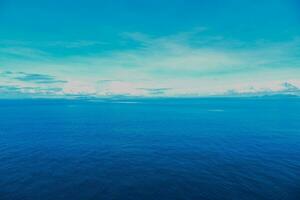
(105, 48)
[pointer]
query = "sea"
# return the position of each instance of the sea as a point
(245, 148)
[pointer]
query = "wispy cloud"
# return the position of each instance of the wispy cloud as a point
(13, 91)
(281, 89)
(187, 63)
(23, 52)
(156, 91)
(38, 78)
(55, 43)
(34, 78)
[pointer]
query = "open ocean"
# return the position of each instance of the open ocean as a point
(169, 149)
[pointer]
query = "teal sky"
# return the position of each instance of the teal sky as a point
(149, 48)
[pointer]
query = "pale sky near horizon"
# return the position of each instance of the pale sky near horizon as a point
(149, 48)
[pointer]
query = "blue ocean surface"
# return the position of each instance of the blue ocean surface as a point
(136, 149)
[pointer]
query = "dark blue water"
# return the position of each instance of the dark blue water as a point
(150, 149)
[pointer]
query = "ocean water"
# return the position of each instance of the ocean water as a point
(213, 148)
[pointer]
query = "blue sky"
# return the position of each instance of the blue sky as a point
(149, 48)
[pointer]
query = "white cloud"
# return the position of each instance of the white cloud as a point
(187, 63)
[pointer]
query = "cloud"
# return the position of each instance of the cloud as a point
(184, 64)
(105, 81)
(32, 77)
(156, 91)
(283, 89)
(23, 52)
(38, 78)
(288, 87)
(16, 91)
(179, 56)
(77, 44)
(6, 73)
(23, 45)
(9, 88)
